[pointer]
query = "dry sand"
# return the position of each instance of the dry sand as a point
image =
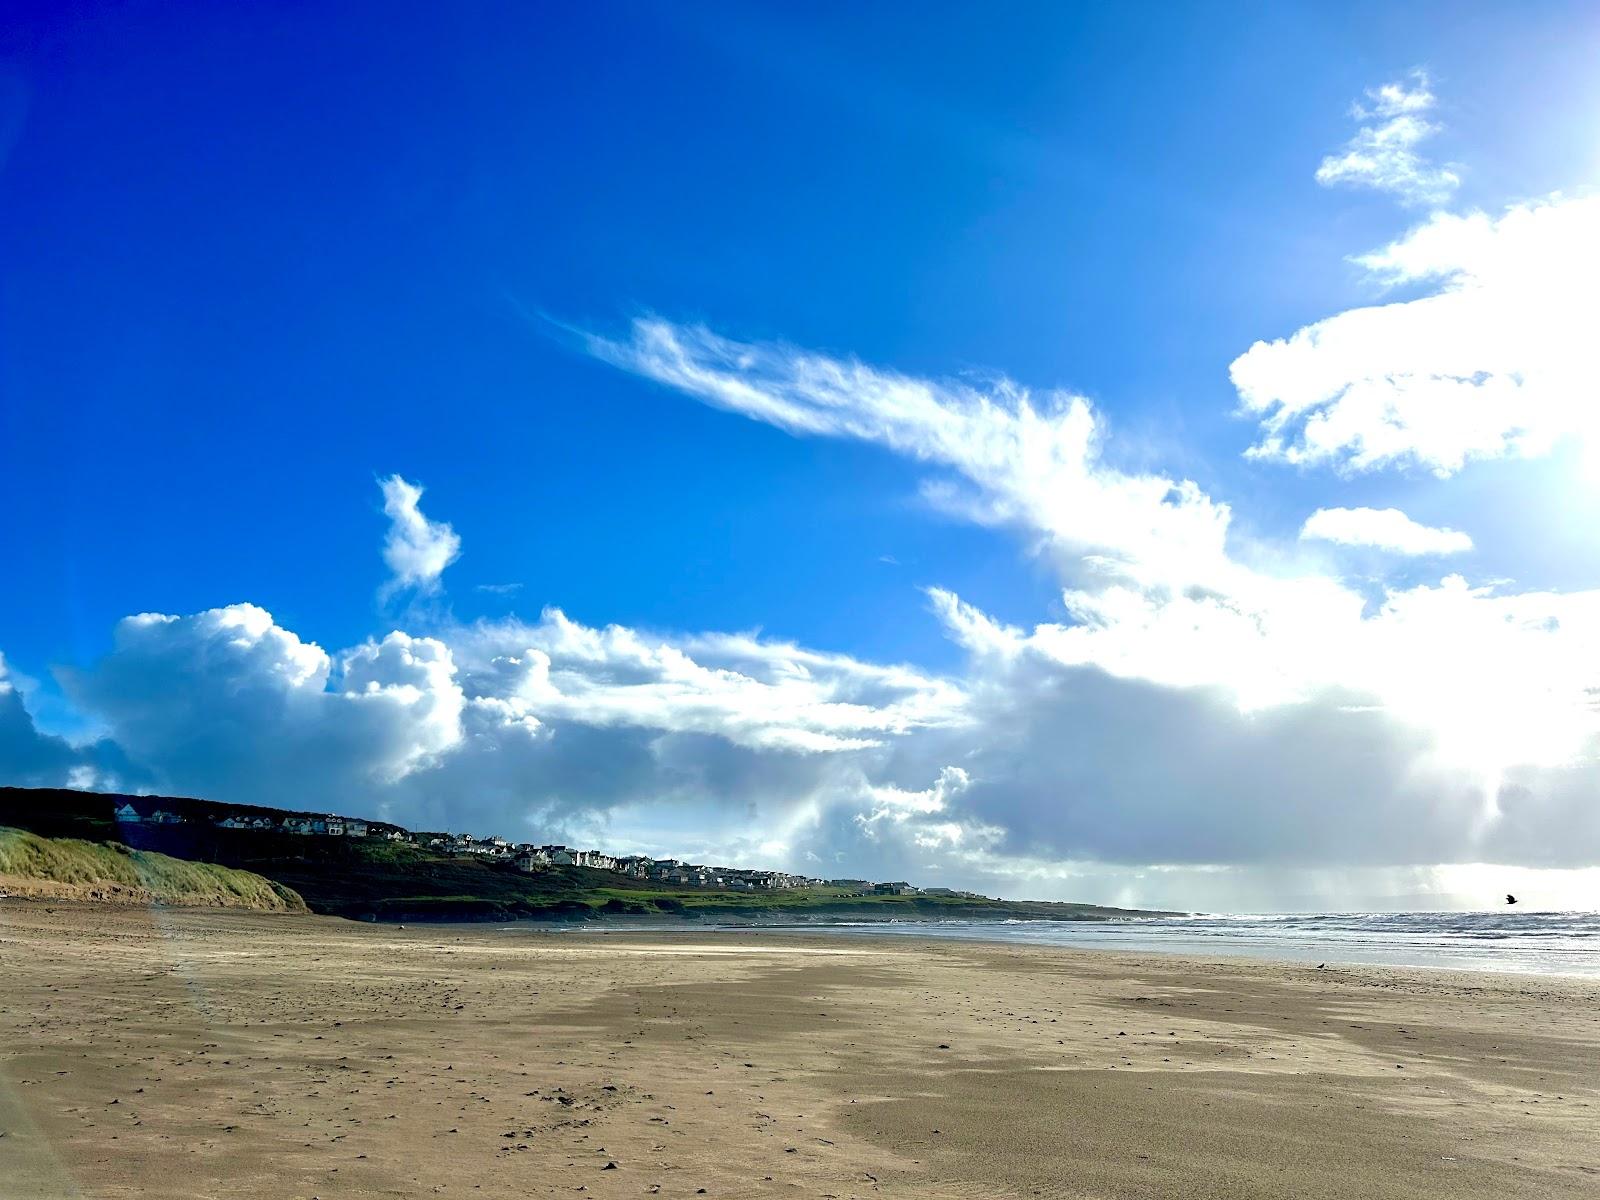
(214, 1054)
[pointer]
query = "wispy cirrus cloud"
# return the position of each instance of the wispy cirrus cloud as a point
(1382, 155)
(1030, 460)
(1386, 529)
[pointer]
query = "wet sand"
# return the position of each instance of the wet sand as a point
(217, 1054)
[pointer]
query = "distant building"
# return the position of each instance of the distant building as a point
(355, 829)
(162, 817)
(894, 889)
(127, 814)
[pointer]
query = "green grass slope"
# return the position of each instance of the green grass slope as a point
(67, 868)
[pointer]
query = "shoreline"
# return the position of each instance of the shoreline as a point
(191, 1053)
(1133, 959)
(1080, 936)
(906, 931)
(911, 931)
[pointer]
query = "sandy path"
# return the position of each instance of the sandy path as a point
(205, 1054)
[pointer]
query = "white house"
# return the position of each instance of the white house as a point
(127, 814)
(355, 829)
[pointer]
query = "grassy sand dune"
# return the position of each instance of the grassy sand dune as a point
(69, 869)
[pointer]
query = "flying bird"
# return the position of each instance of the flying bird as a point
(1510, 899)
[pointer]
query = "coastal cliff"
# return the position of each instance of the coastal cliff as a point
(375, 878)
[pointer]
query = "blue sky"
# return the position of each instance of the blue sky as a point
(259, 260)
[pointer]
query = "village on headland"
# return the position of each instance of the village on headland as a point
(528, 857)
(376, 870)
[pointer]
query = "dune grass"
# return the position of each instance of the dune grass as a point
(68, 868)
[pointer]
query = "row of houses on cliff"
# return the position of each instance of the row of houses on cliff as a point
(297, 823)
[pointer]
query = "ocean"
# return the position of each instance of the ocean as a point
(1539, 943)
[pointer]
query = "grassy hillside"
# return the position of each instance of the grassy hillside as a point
(68, 868)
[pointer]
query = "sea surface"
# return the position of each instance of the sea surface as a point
(1539, 943)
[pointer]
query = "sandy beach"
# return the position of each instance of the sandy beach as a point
(226, 1054)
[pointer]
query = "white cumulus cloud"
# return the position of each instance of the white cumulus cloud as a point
(1390, 745)
(1384, 529)
(1497, 359)
(527, 726)
(1382, 154)
(760, 695)
(416, 549)
(229, 704)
